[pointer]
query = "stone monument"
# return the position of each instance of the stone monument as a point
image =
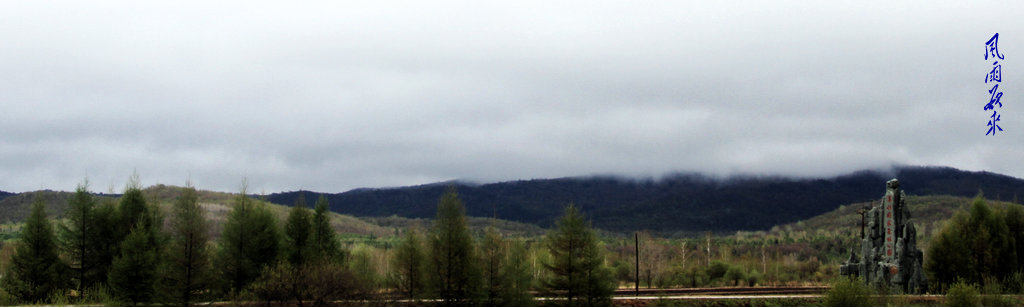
(889, 254)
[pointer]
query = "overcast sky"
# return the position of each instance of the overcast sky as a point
(339, 95)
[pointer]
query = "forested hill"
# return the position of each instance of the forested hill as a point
(681, 203)
(5, 194)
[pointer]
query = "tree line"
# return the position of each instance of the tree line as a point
(982, 246)
(128, 251)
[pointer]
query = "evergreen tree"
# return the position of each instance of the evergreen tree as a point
(298, 233)
(577, 262)
(972, 246)
(454, 275)
(298, 247)
(133, 209)
(492, 254)
(135, 213)
(948, 257)
(989, 241)
(107, 240)
(35, 270)
(407, 264)
(78, 237)
(325, 241)
(184, 274)
(1015, 226)
(248, 243)
(133, 273)
(517, 275)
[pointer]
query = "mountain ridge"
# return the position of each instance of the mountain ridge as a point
(684, 202)
(677, 204)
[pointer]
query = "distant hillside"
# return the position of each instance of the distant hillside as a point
(929, 213)
(15, 207)
(217, 206)
(681, 203)
(476, 225)
(926, 211)
(4, 194)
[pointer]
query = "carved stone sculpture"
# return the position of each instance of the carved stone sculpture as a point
(890, 257)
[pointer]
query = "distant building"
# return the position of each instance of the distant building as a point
(890, 257)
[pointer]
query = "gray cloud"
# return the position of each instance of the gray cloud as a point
(334, 96)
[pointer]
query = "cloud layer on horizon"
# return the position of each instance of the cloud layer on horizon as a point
(335, 96)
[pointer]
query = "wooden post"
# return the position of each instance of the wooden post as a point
(863, 216)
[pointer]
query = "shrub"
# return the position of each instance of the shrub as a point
(848, 292)
(753, 278)
(992, 291)
(1015, 283)
(963, 294)
(735, 275)
(717, 270)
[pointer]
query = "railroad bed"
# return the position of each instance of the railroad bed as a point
(740, 291)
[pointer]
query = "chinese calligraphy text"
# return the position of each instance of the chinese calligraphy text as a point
(995, 75)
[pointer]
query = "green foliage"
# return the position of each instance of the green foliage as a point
(35, 271)
(364, 269)
(753, 278)
(133, 210)
(1015, 283)
(492, 255)
(276, 283)
(298, 251)
(248, 243)
(975, 246)
(1014, 217)
(718, 269)
(185, 271)
(407, 264)
(97, 294)
(623, 271)
(735, 275)
(454, 275)
(516, 272)
(325, 241)
(506, 276)
(963, 293)
(78, 238)
(319, 282)
(848, 292)
(577, 262)
(133, 274)
(107, 241)
(298, 234)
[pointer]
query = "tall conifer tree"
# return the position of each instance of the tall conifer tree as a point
(35, 270)
(132, 275)
(298, 233)
(577, 262)
(325, 241)
(107, 240)
(78, 237)
(249, 243)
(493, 252)
(516, 272)
(185, 272)
(454, 275)
(407, 264)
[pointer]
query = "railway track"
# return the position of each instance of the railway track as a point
(725, 291)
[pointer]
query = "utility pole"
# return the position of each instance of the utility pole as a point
(863, 216)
